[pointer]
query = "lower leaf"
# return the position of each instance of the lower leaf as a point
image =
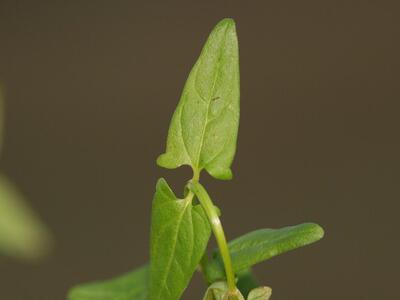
(130, 286)
(261, 245)
(179, 237)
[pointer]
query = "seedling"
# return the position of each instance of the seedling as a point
(202, 135)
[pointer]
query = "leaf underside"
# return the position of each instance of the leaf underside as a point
(203, 130)
(261, 245)
(130, 286)
(179, 237)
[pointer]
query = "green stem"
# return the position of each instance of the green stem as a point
(196, 175)
(218, 230)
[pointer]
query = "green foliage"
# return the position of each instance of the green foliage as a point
(203, 135)
(22, 234)
(179, 237)
(204, 126)
(263, 244)
(130, 286)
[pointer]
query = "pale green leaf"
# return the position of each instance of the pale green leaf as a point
(216, 291)
(261, 293)
(130, 286)
(179, 237)
(219, 291)
(22, 234)
(204, 127)
(261, 245)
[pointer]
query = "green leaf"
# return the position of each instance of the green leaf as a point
(261, 293)
(179, 237)
(204, 127)
(246, 281)
(130, 286)
(216, 291)
(22, 234)
(219, 291)
(261, 245)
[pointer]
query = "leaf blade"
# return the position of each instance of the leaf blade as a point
(263, 244)
(132, 285)
(204, 127)
(179, 237)
(260, 293)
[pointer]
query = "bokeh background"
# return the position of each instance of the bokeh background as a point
(90, 88)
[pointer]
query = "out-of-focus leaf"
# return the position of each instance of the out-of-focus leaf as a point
(130, 286)
(22, 234)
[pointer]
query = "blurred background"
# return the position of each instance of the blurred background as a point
(90, 87)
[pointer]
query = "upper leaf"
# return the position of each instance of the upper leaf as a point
(204, 127)
(130, 286)
(22, 234)
(179, 237)
(263, 244)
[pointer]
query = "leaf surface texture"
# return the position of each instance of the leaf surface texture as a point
(203, 130)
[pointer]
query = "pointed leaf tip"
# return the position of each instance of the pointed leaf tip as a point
(226, 22)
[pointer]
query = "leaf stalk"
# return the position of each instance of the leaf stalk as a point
(215, 222)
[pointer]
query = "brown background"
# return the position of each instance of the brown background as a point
(91, 86)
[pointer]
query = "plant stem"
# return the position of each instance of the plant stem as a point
(218, 231)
